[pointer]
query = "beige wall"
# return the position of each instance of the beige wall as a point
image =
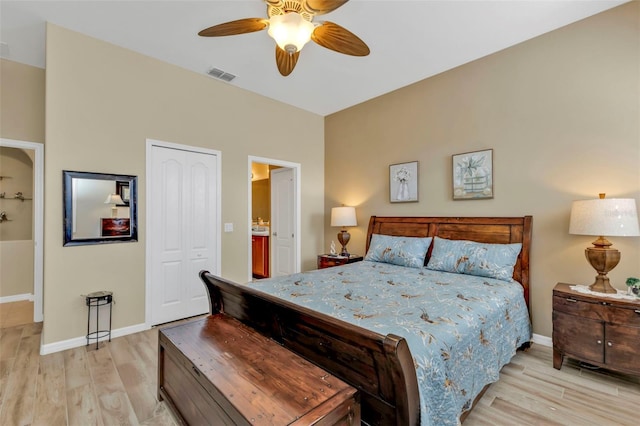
(561, 113)
(16, 268)
(21, 102)
(21, 118)
(102, 103)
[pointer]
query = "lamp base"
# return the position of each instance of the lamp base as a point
(344, 237)
(602, 285)
(603, 260)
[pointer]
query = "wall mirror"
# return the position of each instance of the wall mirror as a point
(99, 208)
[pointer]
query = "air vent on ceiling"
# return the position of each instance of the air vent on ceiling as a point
(221, 75)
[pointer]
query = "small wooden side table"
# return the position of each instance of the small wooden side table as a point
(327, 260)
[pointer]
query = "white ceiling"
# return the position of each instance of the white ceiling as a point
(409, 40)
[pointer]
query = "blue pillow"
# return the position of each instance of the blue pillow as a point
(473, 258)
(403, 251)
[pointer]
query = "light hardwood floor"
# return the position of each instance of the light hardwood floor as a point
(116, 385)
(16, 313)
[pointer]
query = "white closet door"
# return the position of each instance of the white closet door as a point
(182, 231)
(283, 242)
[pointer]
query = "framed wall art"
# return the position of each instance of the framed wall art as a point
(403, 182)
(122, 189)
(473, 175)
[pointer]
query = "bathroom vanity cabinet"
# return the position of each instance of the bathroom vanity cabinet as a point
(260, 256)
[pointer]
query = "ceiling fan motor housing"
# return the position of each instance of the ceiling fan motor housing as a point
(279, 7)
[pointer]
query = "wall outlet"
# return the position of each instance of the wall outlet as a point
(228, 227)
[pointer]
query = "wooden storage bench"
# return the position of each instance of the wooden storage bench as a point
(218, 371)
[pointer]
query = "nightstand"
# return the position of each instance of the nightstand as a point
(327, 261)
(595, 329)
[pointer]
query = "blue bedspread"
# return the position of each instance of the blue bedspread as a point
(461, 329)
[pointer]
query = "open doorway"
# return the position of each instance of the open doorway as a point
(274, 218)
(21, 232)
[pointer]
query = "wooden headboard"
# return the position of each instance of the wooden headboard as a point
(496, 230)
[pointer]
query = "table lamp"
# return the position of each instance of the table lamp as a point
(343, 216)
(114, 199)
(614, 217)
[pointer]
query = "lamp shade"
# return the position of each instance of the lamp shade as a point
(290, 31)
(113, 199)
(343, 216)
(612, 217)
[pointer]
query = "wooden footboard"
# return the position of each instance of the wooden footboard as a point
(380, 367)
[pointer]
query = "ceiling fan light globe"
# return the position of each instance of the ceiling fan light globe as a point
(290, 31)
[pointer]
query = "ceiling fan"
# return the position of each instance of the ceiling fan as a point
(291, 25)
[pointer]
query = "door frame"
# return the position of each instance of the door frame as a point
(147, 224)
(38, 221)
(296, 207)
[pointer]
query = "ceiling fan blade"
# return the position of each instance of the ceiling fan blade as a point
(241, 26)
(334, 37)
(286, 62)
(320, 7)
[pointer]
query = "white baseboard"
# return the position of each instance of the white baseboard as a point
(76, 342)
(82, 341)
(17, 298)
(542, 340)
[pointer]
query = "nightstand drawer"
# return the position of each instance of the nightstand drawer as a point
(626, 316)
(576, 306)
(605, 311)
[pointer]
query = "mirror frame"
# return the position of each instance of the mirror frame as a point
(67, 224)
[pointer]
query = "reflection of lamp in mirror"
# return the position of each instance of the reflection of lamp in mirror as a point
(614, 217)
(343, 216)
(114, 199)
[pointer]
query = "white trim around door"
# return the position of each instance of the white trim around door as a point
(38, 222)
(218, 220)
(297, 207)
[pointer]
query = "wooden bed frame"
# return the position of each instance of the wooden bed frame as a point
(380, 367)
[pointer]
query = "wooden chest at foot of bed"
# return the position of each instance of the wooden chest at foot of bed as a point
(219, 371)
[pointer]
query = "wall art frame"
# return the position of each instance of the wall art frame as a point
(403, 182)
(123, 190)
(473, 175)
